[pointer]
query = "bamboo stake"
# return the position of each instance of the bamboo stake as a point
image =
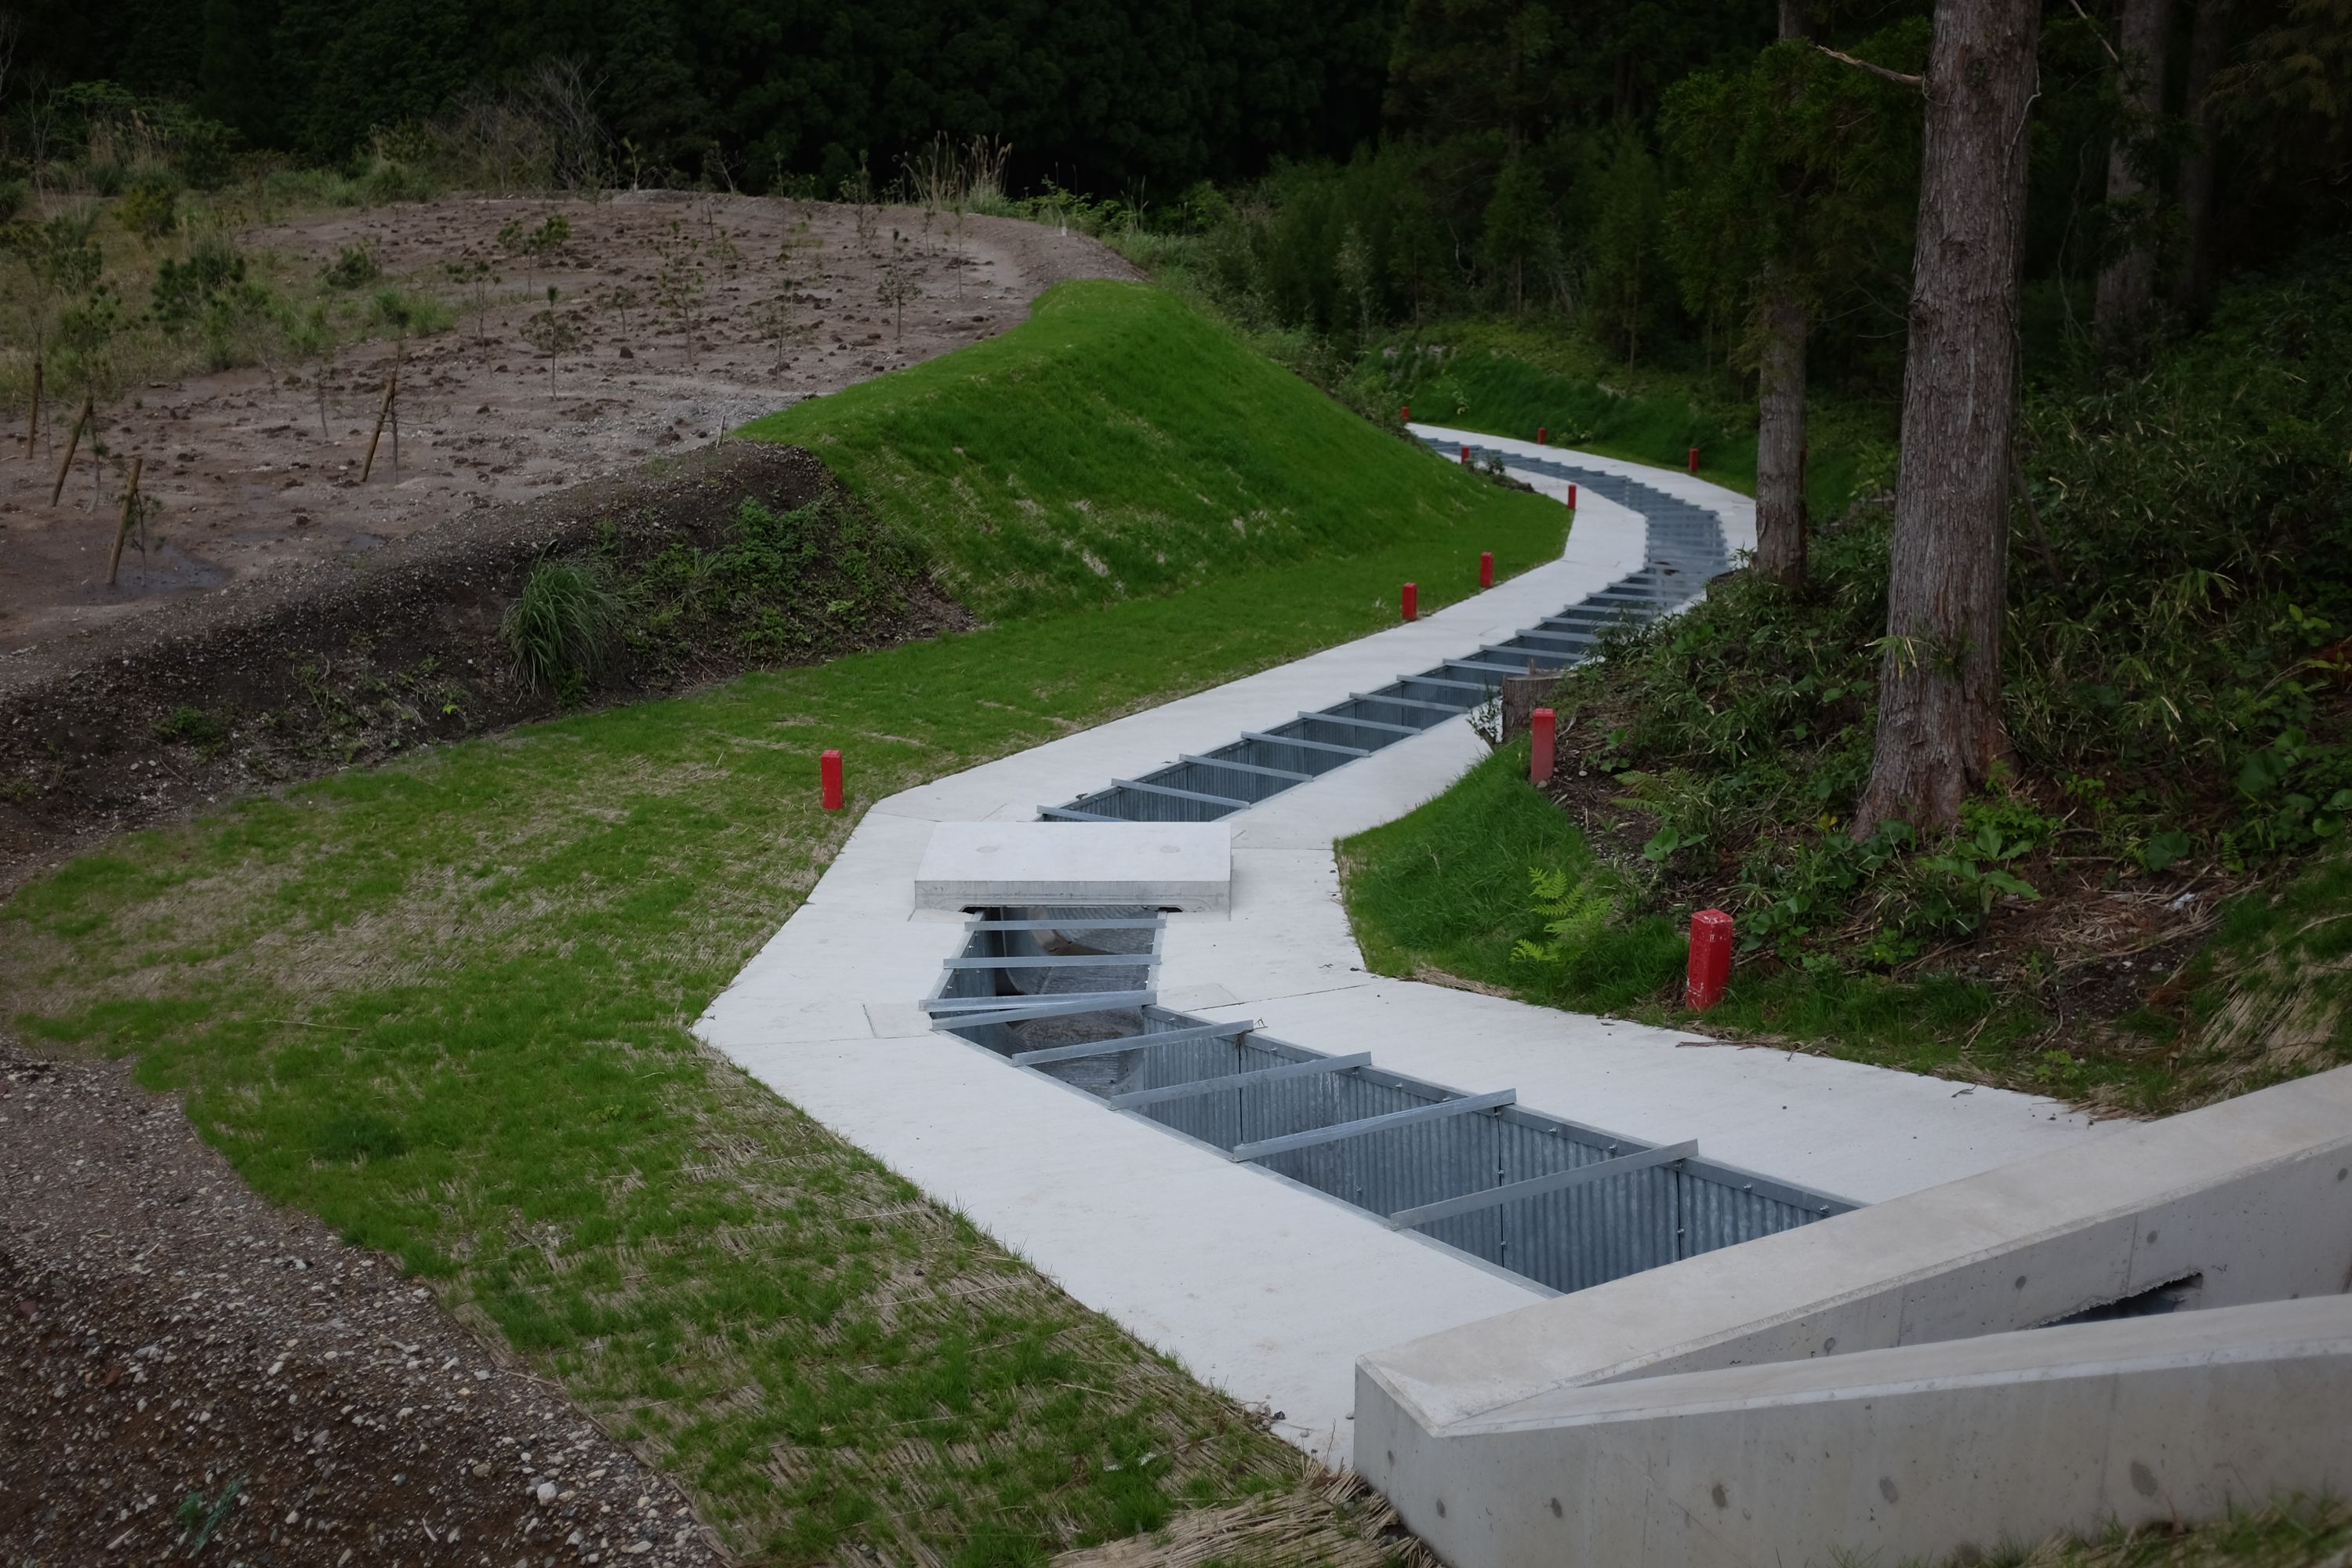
(33, 422)
(73, 441)
(391, 384)
(129, 515)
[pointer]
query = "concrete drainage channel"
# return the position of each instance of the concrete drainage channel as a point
(1067, 993)
(1684, 548)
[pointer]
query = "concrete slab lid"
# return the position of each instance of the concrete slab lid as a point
(1165, 865)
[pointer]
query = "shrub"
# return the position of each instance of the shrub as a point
(559, 628)
(148, 209)
(356, 268)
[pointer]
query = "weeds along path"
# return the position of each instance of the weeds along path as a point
(678, 317)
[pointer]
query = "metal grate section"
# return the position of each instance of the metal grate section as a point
(1684, 548)
(1067, 993)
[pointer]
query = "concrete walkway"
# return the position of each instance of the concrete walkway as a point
(1261, 1287)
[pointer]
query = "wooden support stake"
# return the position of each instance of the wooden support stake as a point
(33, 424)
(73, 441)
(391, 385)
(130, 516)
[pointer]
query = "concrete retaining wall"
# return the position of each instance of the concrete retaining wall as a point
(1476, 1433)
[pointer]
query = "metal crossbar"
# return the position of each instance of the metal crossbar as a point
(1362, 724)
(1020, 1012)
(1174, 793)
(1201, 1085)
(1538, 1186)
(1058, 961)
(1438, 1111)
(1404, 703)
(1310, 745)
(1121, 922)
(1126, 1043)
(1244, 767)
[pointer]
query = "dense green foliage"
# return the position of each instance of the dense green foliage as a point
(2175, 698)
(1093, 94)
(1120, 444)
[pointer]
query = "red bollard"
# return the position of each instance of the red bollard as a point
(828, 769)
(1485, 568)
(1466, 456)
(1411, 601)
(1571, 498)
(1710, 960)
(1404, 415)
(1540, 433)
(1694, 459)
(1542, 741)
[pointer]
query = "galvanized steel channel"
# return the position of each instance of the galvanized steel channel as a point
(1684, 547)
(1065, 994)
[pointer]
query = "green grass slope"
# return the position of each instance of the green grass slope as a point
(443, 1004)
(1121, 445)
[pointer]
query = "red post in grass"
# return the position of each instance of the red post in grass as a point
(1542, 730)
(1485, 568)
(1404, 415)
(1411, 597)
(1694, 459)
(1466, 456)
(828, 770)
(1540, 433)
(1571, 498)
(1710, 960)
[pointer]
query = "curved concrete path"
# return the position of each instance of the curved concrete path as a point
(1261, 1287)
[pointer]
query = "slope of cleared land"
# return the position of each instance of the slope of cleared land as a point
(442, 1004)
(1120, 444)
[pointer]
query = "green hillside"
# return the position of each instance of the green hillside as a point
(1122, 444)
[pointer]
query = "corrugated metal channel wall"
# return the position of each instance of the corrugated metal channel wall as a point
(1068, 994)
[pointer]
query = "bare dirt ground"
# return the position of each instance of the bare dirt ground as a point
(246, 481)
(167, 1335)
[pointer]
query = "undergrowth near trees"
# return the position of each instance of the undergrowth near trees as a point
(2177, 702)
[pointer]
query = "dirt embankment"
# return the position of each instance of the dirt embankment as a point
(292, 673)
(186, 1369)
(679, 323)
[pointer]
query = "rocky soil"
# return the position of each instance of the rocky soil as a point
(187, 1371)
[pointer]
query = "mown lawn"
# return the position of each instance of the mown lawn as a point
(444, 1005)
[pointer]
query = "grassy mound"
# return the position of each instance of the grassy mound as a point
(1121, 445)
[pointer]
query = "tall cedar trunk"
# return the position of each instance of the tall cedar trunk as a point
(1781, 402)
(1939, 728)
(1781, 437)
(2127, 283)
(2208, 47)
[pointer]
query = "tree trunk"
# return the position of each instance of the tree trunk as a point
(2208, 47)
(1939, 727)
(1781, 402)
(2126, 289)
(1781, 437)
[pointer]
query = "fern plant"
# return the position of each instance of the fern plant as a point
(1573, 912)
